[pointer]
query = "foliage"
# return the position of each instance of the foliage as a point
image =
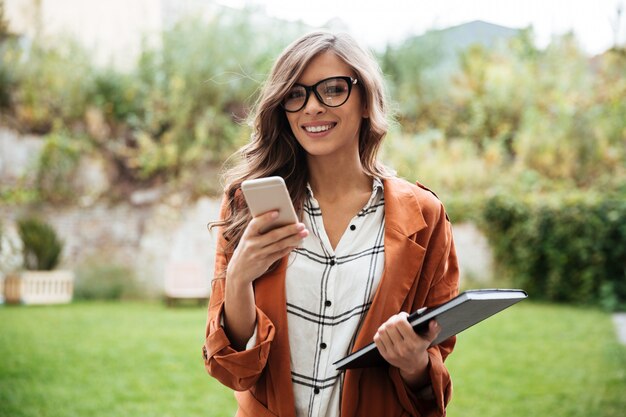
(20, 194)
(57, 165)
(41, 245)
(553, 112)
(98, 280)
(456, 171)
(195, 90)
(179, 108)
(563, 248)
(50, 84)
(413, 72)
(509, 110)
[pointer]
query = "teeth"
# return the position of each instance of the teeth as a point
(317, 129)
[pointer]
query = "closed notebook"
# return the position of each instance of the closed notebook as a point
(465, 310)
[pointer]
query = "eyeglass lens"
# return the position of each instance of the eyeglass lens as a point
(332, 92)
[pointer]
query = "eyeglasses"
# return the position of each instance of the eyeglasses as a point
(331, 92)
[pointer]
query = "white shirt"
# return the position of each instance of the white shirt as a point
(328, 294)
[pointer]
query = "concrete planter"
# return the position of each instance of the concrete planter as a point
(39, 287)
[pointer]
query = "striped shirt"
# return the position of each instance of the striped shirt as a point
(328, 294)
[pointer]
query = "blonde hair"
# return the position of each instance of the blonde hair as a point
(274, 150)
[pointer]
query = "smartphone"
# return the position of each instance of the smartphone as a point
(267, 194)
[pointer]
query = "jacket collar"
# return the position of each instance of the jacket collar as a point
(403, 257)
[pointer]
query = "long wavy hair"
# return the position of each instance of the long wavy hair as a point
(273, 148)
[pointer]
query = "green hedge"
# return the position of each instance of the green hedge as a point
(561, 248)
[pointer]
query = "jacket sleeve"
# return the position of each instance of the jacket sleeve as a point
(238, 370)
(432, 400)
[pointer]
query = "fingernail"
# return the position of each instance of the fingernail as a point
(300, 226)
(274, 215)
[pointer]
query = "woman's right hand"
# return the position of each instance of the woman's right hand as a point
(254, 254)
(257, 251)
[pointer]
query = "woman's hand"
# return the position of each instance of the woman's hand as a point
(406, 350)
(254, 254)
(257, 251)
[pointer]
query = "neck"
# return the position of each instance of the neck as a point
(332, 177)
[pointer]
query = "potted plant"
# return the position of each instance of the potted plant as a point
(39, 282)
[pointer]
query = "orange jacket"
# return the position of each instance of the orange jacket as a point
(420, 270)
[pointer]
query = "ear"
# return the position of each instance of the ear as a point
(365, 113)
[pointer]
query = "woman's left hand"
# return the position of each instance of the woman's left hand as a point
(406, 350)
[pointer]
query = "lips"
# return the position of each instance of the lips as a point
(318, 128)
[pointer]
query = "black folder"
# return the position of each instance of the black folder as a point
(458, 314)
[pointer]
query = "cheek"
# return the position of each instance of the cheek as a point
(293, 124)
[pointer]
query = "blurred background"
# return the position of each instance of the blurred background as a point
(116, 119)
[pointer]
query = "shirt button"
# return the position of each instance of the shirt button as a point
(316, 390)
(352, 227)
(332, 262)
(328, 303)
(323, 345)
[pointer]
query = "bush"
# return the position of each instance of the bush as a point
(41, 246)
(57, 166)
(562, 248)
(50, 84)
(99, 281)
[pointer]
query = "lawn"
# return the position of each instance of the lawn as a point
(114, 360)
(143, 359)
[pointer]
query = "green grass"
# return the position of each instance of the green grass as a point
(540, 360)
(142, 359)
(96, 359)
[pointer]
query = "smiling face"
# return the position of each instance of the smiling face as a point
(328, 131)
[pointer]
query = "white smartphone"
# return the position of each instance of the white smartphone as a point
(267, 194)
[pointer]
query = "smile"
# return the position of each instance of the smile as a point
(318, 129)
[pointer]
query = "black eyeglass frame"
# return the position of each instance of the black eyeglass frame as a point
(308, 88)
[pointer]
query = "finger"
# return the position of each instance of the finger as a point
(259, 223)
(398, 327)
(404, 327)
(273, 257)
(380, 344)
(389, 335)
(433, 331)
(289, 241)
(284, 232)
(394, 329)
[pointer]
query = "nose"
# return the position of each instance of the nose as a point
(313, 106)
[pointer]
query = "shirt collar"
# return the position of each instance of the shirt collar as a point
(377, 189)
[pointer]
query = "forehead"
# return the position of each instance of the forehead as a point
(324, 65)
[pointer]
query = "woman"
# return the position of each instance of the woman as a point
(369, 249)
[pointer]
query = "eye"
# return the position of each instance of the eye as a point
(295, 94)
(335, 88)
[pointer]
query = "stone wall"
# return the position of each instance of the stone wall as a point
(144, 239)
